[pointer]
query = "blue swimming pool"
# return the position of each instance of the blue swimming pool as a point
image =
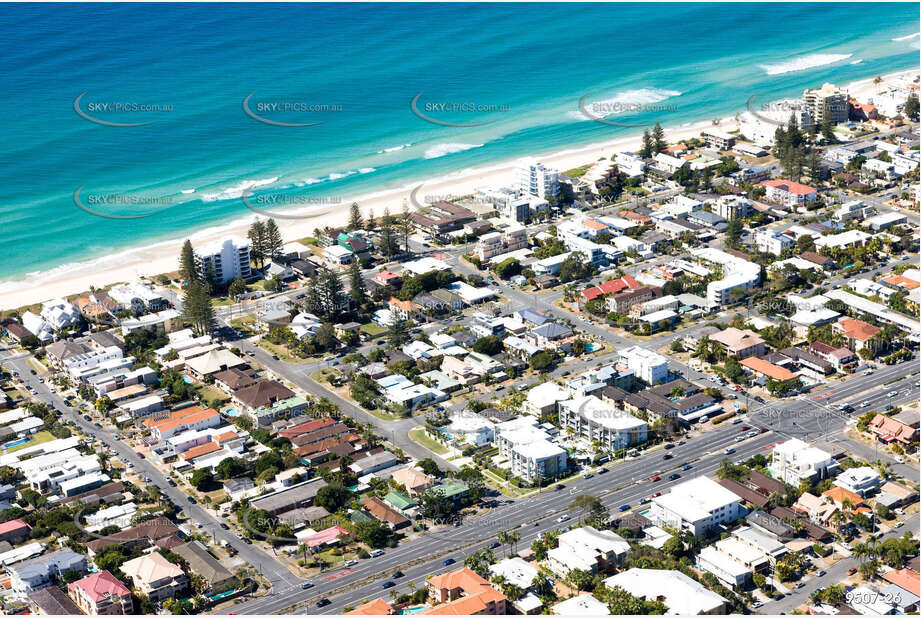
(231, 412)
(16, 442)
(591, 347)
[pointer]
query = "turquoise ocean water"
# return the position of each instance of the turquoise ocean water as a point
(523, 68)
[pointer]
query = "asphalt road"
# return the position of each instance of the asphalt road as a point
(265, 563)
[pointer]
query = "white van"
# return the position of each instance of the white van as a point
(377, 552)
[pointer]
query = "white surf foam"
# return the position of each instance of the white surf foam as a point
(445, 149)
(908, 36)
(629, 101)
(803, 63)
(236, 191)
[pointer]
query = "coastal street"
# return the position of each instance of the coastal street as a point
(262, 562)
(626, 483)
(835, 574)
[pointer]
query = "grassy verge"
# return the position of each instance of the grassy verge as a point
(281, 352)
(420, 436)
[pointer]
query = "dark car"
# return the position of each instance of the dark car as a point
(224, 526)
(495, 544)
(587, 475)
(247, 541)
(669, 445)
(397, 574)
(744, 428)
(673, 477)
(387, 584)
(448, 562)
(558, 487)
(323, 602)
(602, 470)
(778, 596)
(87, 417)
(667, 456)
(623, 507)
(171, 482)
(191, 500)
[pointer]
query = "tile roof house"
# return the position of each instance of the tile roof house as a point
(233, 379)
(14, 531)
(263, 393)
(101, 593)
(856, 332)
(159, 531)
(415, 481)
(888, 430)
(463, 592)
(820, 510)
(377, 607)
(768, 369)
(155, 576)
(385, 513)
(740, 343)
(201, 562)
(52, 601)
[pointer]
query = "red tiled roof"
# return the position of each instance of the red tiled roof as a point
(12, 525)
(789, 186)
(101, 585)
(857, 329)
(905, 579)
(770, 370)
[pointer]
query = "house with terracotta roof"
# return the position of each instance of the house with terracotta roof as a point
(385, 513)
(101, 594)
(763, 368)
(789, 193)
(856, 333)
(906, 579)
(889, 430)
(611, 286)
(822, 261)
(178, 421)
(377, 607)
(201, 450)
(156, 577)
(838, 496)
(233, 379)
(403, 309)
(307, 427)
(463, 592)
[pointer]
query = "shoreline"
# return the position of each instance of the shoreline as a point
(162, 257)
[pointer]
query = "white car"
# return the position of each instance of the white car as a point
(562, 518)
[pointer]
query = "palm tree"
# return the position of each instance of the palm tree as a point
(503, 537)
(513, 537)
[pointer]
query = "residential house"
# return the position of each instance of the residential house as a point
(101, 594)
(697, 505)
(156, 577)
(37, 573)
(463, 592)
(863, 481)
(680, 594)
(789, 193)
(794, 461)
(739, 343)
(892, 431)
(588, 549)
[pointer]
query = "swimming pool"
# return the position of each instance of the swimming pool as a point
(411, 610)
(16, 442)
(591, 347)
(231, 412)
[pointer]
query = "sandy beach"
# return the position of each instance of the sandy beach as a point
(163, 257)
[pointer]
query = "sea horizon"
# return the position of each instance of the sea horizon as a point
(202, 150)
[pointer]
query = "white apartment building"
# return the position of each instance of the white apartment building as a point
(773, 242)
(697, 505)
(863, 481)
(630, 163)
(587, 549)
(595, 420)
(76, 365)
(60, 314)
(537, 460)
(761, 128)
(827, 103)
(794, 460)
(738, 273)
(648, 366)
(733, 207)
(534, 178)
(681, 594)
(138, 297)
(224, 260)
